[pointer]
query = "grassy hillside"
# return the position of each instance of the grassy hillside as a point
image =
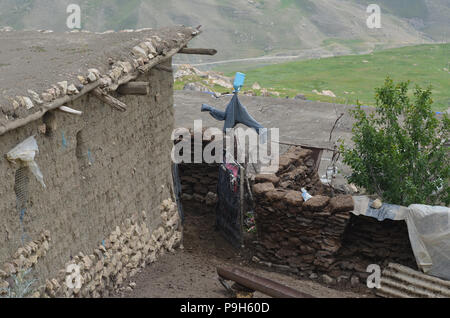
(354, 78)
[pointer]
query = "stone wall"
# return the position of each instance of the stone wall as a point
(199, 182)
(100, 169)
(320, 236)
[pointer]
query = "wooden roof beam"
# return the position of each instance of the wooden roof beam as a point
(198, 51)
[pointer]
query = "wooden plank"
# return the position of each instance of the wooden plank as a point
(109, 100)
(134, 88)
(198, 51)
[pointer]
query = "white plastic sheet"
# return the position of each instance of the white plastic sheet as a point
(428, 228)
(429, 233)
(24, 154)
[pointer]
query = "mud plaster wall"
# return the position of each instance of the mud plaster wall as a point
(99, 169)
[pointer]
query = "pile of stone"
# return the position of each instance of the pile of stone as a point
(305, 236)
(211, 78)
(369, 241)
(199, 183)
(127, 250)
(24, 259)
(320, 236)
(199, 180)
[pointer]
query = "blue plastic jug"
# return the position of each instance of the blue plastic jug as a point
(239, 81)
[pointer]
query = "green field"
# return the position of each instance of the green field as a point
(355, 77)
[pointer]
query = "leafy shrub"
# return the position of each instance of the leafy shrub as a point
(399, 150)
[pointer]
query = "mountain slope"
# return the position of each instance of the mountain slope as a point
(249, 28)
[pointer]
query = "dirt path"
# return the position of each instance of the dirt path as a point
(191, 272)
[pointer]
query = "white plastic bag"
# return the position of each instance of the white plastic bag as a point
(24, 154)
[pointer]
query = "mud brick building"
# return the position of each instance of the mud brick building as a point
(108, 202)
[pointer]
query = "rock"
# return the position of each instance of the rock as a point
(275, 195)
(353, 188)
(276, 94)
(265, 93)
(316, 203)
(72, 90)
(256, 86)
(4, 285)
(9, 269)
(377, 204)
(83, 80)
(300, 97)
(3, 274)
(221, 82)
(196, 87)
(313, 276)
(91, 77)
(28, 103)
(139, 52)
(294, 198)
(63, 86)
(263, 178)
(328, 93)
(328, 280)
(354, 281)
(342, 279)
(324, 93)
(211, 199)
(186, 197)
(46, 97)
(342, 203)
(261, 188)
(35, 97)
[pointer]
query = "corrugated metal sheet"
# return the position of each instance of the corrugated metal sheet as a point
(398, 281)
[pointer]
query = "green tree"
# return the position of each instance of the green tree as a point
(400, 150)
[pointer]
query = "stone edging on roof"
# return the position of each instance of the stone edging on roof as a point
(144, 56)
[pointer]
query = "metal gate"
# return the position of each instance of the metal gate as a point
(229, 212)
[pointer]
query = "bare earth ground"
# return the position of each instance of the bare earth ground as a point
(191, 272)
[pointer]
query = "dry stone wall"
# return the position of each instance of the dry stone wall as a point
(199, 181)
(320, 236)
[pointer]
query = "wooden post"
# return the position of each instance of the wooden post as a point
(108, 99)
(242, 201)
(134, 88)
(198, 51)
